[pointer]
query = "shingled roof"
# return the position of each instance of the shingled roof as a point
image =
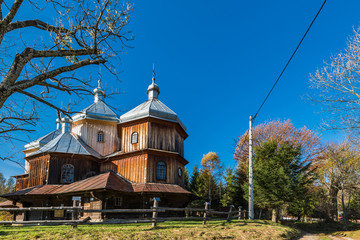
(99, 111)
(68, 143)
(43, 140)
(108, 181)
(153, 107)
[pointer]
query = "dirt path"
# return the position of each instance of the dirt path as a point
(310, 236)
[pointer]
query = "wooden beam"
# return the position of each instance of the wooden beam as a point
(39, 209)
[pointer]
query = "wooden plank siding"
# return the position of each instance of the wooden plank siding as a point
(132, 168)
(165, 137)
(22, 183)
(172, 166)
(88, 130)
(126, 131)
(82, 166)
(38, 170)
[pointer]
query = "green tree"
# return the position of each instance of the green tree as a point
(186, 179)
(280, 176)
(208, 182)
(195, 181)
(211, 170)
(6, 186)
(229, 195)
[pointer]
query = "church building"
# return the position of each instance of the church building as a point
(109, 161)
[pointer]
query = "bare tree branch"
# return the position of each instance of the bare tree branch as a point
(82, 33)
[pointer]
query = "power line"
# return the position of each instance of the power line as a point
(267, 96)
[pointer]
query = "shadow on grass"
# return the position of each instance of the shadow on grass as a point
(324, 228)
(4, 233)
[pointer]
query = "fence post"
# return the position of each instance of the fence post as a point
(229, 214)
(205, 213)
(239, 215)
(74, 215)
(154, 216)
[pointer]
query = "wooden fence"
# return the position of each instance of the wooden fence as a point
(206, 215)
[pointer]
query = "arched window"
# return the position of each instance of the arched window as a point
(134, 137)
(161, 171)
(67, 173)
(100, 136)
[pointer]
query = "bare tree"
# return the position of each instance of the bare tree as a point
(338, 85)
(38, 57)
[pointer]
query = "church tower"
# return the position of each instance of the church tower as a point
(154, 135)
(96, 125)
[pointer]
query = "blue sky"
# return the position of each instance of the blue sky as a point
(215, 62)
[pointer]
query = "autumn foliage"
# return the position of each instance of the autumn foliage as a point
(280, 132)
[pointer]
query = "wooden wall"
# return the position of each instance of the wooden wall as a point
(22, 183)
(165, 137)
(172, 166)
(132, 168)
(126, 131)
(38, 171)
(82, 166)
(88, 129)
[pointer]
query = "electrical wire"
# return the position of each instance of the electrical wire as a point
(277, 80)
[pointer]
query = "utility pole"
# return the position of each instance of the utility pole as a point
(251, 187)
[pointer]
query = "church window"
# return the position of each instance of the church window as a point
(161, 171)
(119, 201)
(67, 173)
(134, 137)
(179, 172)
(100, 136)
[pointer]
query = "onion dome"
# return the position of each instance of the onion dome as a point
(153, 107)
(99, 110)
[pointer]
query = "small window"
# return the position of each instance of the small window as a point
(67, 173)
(134, 137)
(179, 172)
(161, 171)
(100, 136)
(119, 201)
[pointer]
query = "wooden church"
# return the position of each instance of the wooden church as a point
(108, 161)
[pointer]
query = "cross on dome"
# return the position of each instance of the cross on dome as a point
(99, 93)
(153, 90)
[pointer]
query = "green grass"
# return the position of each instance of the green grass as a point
(166, 230)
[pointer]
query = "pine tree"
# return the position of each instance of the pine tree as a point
(230, 188)
(279, 175)
(194, 181)
(186, 179)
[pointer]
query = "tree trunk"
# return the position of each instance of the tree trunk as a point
(274, 215)
(333, 211)
(260, 213)
(343, 208)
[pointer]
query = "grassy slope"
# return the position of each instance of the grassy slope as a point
(334, 229)
(167, 230)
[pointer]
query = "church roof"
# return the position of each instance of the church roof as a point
(107, 180)
(68, 143)
(43, 140)
(99, 110)
(153, 107)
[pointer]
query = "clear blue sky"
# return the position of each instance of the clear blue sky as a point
(215, 62)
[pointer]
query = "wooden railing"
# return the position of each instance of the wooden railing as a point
(75, 210)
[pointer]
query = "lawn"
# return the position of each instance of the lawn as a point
(168, 230)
